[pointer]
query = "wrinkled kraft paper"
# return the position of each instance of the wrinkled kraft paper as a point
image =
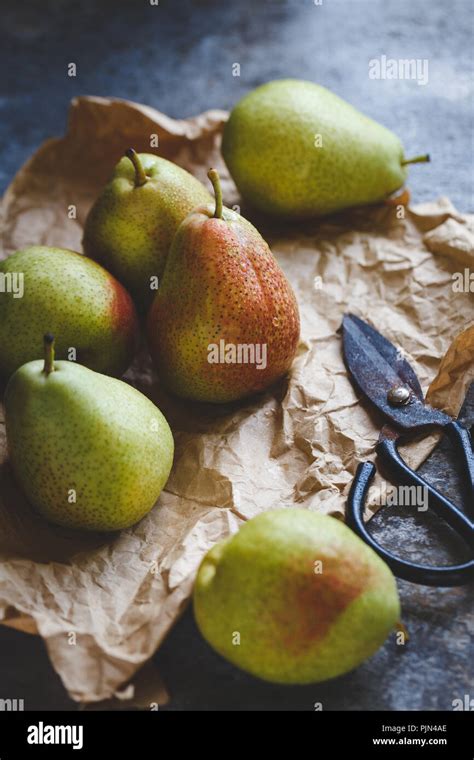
(296, 445)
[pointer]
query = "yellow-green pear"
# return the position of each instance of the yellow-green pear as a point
(132, 223)
(43, 288)
(88, 450)
(295, 597)
(296, 150)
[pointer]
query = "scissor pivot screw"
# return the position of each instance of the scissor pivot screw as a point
(399, 396)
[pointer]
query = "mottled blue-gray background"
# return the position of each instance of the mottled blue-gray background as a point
(178, 58)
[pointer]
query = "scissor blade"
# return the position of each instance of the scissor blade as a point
(377, 367)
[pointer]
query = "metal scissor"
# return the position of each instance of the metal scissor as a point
(385, 377)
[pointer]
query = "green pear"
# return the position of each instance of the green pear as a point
(295, 597)
(296, 150)
(132, 223)
(224, 323)
(45, 289)
(88, 450)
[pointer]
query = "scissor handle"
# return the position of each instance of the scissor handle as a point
(447, 576)
(462, 441)
(388, 452)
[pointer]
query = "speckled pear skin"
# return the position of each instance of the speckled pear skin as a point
(72, 296)
(221, 282)
(77, 429)
(129, 229)
(269, 148)
(297, 625)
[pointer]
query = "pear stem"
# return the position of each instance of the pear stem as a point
(48, 341)
(140, 176)
(216, 184)
(417, 160)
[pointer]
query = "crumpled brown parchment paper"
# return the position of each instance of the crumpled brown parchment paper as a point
(103, 605)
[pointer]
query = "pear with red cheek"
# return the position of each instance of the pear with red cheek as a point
(224, 323)
(295, 597)
(54, 289)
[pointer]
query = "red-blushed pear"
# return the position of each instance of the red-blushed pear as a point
(45, 288)
(88, 450)
(295, 597)
(224, 323)
(131, 225)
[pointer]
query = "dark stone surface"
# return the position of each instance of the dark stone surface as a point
(178, 58)
(180, 61)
